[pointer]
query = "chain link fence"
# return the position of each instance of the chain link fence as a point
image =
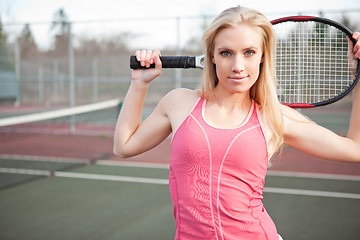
(52, 80)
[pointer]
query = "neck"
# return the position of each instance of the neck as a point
(231, 102)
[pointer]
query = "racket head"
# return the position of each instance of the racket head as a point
(312, 64)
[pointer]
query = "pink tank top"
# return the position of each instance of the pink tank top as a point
(216, 179)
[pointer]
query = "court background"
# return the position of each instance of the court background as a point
(82, 70)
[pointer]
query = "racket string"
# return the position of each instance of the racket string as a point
(311, 62)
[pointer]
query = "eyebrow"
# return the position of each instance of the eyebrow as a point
(228, 48)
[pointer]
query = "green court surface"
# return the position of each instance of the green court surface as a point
(116, 200)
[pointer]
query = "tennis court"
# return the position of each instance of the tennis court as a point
(110, 199)
(128, 200)
(71, 186)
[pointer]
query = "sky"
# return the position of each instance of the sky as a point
(153, 22)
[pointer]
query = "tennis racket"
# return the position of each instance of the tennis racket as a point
(314, 61)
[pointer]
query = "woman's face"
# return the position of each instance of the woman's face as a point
(237, 57)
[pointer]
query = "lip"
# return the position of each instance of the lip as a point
(238, 78)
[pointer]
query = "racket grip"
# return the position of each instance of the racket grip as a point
(167, 62)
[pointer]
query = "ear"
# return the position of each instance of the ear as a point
(213, 59)
(262, 59)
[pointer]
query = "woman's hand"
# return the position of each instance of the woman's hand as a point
(356, 48)
(146, 58)
(353, 53)
(354, 63)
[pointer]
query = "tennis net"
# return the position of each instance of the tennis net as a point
(92, 119)
(35, 145)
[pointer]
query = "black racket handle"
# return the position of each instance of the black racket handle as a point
(167, 62)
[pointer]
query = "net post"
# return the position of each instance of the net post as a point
(95, 79)
(41, 90)
(71, 79)
(56, 81)
(17, 72)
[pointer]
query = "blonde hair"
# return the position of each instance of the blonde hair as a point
(263, 92)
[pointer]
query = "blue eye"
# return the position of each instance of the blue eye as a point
(249, 52)
(225, 53)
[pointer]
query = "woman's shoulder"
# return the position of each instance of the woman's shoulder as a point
(184, 92)
(182, 96)
(180, 99)
(291, 114)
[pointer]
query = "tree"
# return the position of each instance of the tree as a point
(2, 33)
(89, 47)
(9, 89)
(347, 22)
(28, 47)
(60, 22)
(4, 53)
(193, 45)
(61, 25)
(115, 44)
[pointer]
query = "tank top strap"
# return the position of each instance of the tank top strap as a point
(197, 111)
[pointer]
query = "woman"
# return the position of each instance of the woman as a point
(225, 133)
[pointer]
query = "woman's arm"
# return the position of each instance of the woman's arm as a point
(354, 129)
(132, 136)
(318, 141)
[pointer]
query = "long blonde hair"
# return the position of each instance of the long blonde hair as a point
(263, 92)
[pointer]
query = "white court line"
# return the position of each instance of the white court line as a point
(311, 193)
(43, 158)
(166, 181)
(166, 166)
(132, 164)
(313, 175)
(111, 178)
(269, 172)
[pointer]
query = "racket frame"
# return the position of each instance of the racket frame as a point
(345, 30)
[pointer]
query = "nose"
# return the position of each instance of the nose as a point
(238, 64)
